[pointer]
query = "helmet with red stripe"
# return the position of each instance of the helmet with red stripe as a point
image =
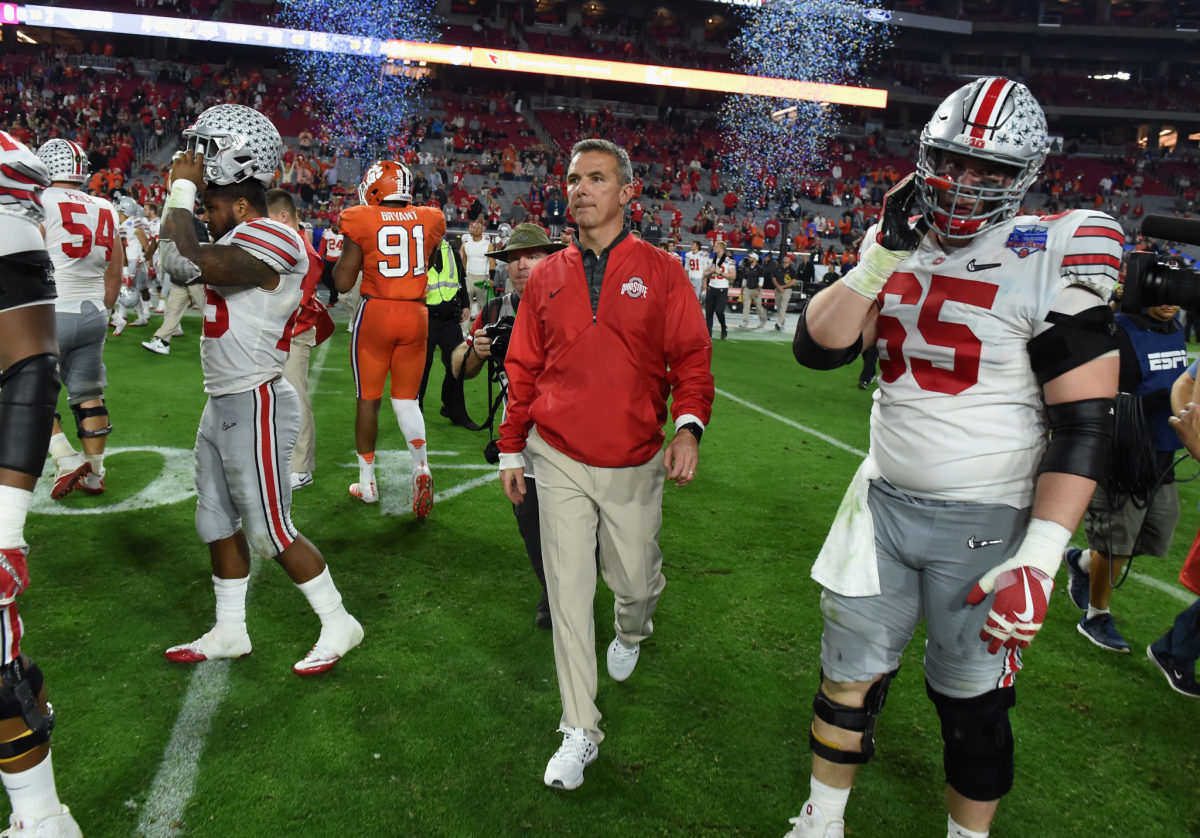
(22, 178)
(67, 161)
(386, 180)
(980, 154)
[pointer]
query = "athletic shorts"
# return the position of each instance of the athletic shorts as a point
(1129, 531)
(243, 466)
(389, 337)
(930, 554)
(81, 351)
(23, 281)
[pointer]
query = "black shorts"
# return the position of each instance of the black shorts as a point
(26, 278)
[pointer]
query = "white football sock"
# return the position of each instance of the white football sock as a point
(97, 463)
(954, 830)
(366, 469)
(14, 507)
(60, 446)
(830, 801)
(324, 598)
(32, 792)
(1094, 611)
(231, 603)
(412, 425)
(1085, 560)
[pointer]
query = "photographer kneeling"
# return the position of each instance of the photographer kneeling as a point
(488, 340)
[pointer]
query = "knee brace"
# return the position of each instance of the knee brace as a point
(858, 719)
(978, 753)
(28, 393)
(23, 725)
(82, 413)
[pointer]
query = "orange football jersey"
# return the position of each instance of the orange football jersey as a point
(396, 243)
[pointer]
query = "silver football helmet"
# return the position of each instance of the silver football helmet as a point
(128, 296)
(997, 122)
(128, 207)
(22, 177)
(67, 161)
(237, 142)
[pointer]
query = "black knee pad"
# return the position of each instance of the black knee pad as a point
(82, 413)
(24, 724)
(858, 719)
(28, 393)
(978, 752)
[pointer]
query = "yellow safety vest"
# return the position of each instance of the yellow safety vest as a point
(442, 286)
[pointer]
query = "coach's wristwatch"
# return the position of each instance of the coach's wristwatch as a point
(694, 427)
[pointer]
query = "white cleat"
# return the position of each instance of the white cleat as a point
(119, 326)
(330, 647)
(58, 825)
(622, 659)
(422, 492)
(577, 752)
(212, 646)
(811, 824)
(365, 492)
(178, 332)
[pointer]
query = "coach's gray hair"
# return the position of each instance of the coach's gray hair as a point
(624, 166)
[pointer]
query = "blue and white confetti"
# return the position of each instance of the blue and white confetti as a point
(827, 41)
(365, 109)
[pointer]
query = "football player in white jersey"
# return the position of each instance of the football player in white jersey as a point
(135, 293)
(29, 388)
(962, 508)
(80, 231)
(696, 262)
(252, 278)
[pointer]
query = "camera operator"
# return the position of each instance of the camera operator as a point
(1135, 511)
(489, 340)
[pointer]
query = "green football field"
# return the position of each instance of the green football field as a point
(442, 721)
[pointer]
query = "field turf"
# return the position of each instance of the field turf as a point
(441, 723)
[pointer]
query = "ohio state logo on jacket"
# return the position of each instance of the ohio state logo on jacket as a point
(634, 287)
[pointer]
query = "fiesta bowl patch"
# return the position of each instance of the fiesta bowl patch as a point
(1027, 239)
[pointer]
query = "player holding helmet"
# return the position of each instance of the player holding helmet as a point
(250, 423)
(976, 321)
(29, 387)
(391, 242)
(80, 232)
(135, 288)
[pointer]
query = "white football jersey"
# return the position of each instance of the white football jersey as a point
(134, 252)
(81, 232)
(958, 413)
(248, 330)
(696, 264)
(333, 250)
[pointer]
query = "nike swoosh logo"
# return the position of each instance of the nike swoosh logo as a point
(227, 425)
(553, 293)
(1024, 616)
(975, 543)
(971, 266)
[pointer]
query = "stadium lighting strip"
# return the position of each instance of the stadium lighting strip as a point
(58, 17)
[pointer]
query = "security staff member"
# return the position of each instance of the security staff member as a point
(449, 307)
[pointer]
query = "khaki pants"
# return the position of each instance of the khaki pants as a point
(621, 509)
(752, 297)
(295, 371)
(782, 298)
(177, 302)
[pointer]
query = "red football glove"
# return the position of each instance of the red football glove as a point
(1018, 609)
(14, 574)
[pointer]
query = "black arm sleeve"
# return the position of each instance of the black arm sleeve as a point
(816, 357)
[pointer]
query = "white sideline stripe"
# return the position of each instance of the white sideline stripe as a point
(1166, 587)
(162, 813)
(837, 443)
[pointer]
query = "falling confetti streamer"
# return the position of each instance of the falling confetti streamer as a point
(829, 41)
(365, 108)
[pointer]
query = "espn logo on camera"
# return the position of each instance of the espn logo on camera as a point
(1167, 360)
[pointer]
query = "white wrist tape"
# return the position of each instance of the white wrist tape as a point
(1042, 548)
(871, 273)
(183, 196)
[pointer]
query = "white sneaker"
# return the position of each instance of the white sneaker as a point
(811, 824)
(365, 492)
(68, 471)
(300, 479)
(422, 492)
(622, 659)
(212, 646)
(59, 825)
(157, 345)
(577, 752)
(329, 649)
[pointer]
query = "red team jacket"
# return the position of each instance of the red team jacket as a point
(597, 387)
